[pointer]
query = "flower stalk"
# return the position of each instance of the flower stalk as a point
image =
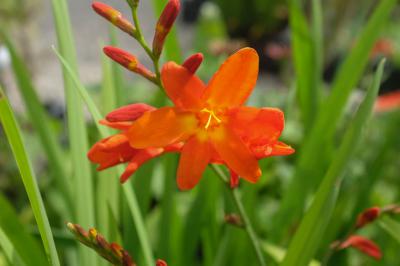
(247, 225)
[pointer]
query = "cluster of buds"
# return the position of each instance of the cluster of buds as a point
(111, 252)
(163, 27)
(361, 243)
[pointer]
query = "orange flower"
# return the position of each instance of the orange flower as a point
(211, 121)
(115, 149)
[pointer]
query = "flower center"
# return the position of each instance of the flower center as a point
(208, 118)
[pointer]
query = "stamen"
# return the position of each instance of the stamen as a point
(211, 115)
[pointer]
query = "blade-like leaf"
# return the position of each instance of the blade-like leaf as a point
(308, 173)
(127, 188)
(306, 240)
(40, 122)
(77, 133)
(391, 226)
(23, 245)
(14, 137)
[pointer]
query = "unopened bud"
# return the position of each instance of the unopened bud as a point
(133, 3)
(364, 245)
(234, 219)
(367, 216)
(129, 112)
(161, 263)
(193, 62)
(128, 61)
(164, 25)
(115, 17)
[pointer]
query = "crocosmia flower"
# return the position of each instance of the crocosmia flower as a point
(211, 122)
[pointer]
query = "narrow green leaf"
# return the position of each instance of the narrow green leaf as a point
(41, 122)
(127, 188)
(13, 134)
(278, 253)
(77, 133)
(391, 226)
(23, 245)
(311, 230)
(303, 56)
(308, 174)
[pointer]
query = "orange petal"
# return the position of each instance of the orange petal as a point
(138, 159)
(276, 149)
(110, 155)
(232, 84)
(161, 127)
(182, 86)
(257, 125)
(194, 158)
(235, 153)
(116, 125)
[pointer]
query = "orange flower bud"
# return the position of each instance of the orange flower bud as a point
(367, 216)
(115, 17)
(193, 62)
(161, 263)
(164, 25)
(364, 245)
(128, 61)
(129, 112)
(387, 102)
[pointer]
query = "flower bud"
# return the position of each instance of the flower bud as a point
(115, 17)
(193, 62)
(129, 112)
(161, 263)
(367, 216)
(128, 61)
(364, 245)
(234, 219)
(164, 25)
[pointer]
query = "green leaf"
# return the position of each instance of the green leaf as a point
(77, 133)
(127, 188)
(307, 67)
(312, 227)
(308, 173)
(14, 137)
(391, 226)
(41, 122)
(22, 244)
(278, 253)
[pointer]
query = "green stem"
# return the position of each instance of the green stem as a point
(242, 212)
(140, 38)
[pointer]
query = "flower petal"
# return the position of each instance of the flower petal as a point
(257, 125)
(235, 153)
(182, 87)
(194, 158)
(129, 112)
(233, 82)
(275, 149)
(161, 127)
(116, 125)
(138, 159)
(111, 151)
